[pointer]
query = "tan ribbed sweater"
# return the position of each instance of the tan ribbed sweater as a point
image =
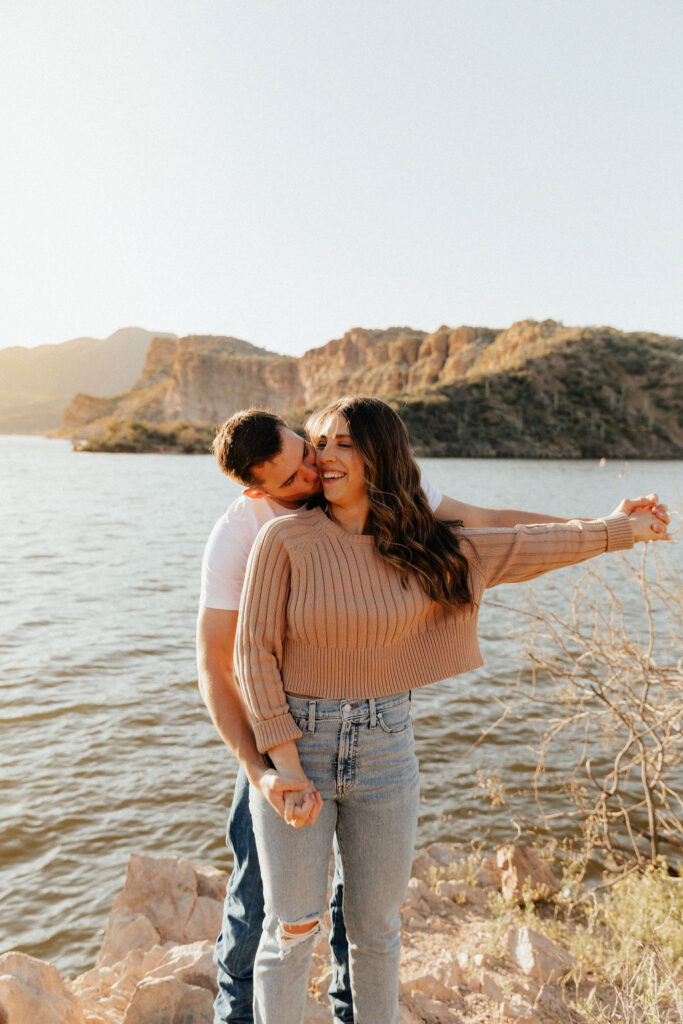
(323, 615)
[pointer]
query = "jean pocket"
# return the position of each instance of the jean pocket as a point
(395, 719)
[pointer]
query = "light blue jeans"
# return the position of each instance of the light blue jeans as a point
(361, 756)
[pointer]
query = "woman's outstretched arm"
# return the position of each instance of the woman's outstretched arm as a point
(513, 556)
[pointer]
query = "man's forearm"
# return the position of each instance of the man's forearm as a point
(508, 517)
(228, 713)
(477, 517)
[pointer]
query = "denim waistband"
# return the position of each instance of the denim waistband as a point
(356, 708)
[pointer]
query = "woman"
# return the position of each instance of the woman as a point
(345, 609)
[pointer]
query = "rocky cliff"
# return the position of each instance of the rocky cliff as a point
(537, 389)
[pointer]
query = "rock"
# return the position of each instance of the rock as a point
(32, 992)
(519, 1012)
(423, 866)
(429, 1010)
(168, 892)
(430, 986)
(4, 1016)
(204, 921)
(211, 882)
(426, 899)
(163, 889)
(487, 873)
(192, 964)
(457, 892)
(123, 932)
(444, 854)
(406, 1016)
(524, 874)
(449, 973)
(539, 957)
(487, 985)
(169, 1001)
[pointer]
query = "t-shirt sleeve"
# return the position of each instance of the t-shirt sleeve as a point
(223, 567)
(433, 494)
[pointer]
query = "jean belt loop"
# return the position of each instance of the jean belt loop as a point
(373, 713)
(311, 716)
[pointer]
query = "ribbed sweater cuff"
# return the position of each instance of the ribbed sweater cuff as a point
(620, 535)
(274, 731)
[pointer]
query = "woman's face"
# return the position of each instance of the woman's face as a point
(340, 466)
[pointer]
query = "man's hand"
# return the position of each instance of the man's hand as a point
(303, 808)
(647, 503)
(295, 800)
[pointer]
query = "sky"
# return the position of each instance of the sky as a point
(285, 170)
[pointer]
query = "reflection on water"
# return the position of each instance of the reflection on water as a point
(104, 744)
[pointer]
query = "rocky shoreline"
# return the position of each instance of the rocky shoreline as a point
(155, 965)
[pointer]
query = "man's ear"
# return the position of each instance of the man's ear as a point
(253, 492)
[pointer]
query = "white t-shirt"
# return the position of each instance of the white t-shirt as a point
(227, 549)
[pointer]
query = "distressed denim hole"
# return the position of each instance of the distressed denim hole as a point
(291, 935)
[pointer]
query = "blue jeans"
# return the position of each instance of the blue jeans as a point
(243, 920)
(360, 754)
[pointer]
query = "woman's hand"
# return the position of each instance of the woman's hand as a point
(648, 518)
(297, 799)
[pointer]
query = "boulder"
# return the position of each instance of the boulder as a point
(126, 931)
(32, 991)
(169, 1001)
(430, 986)
(539, 957)
(211, 881)
(183, 905)
(192, 964)
(523, 874)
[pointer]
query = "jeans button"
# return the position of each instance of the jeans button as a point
(346, 707)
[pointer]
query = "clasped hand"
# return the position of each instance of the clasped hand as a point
(296, 800)
(649, 519)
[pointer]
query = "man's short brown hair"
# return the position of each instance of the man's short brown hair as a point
(247, 439)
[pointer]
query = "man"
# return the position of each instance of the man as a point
(277, 468)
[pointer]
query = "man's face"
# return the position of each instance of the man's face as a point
(291, 477)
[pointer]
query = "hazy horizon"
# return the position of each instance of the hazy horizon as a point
(158, 333)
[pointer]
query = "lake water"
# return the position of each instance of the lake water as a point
(105, 747)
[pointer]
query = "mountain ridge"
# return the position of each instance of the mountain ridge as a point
(36, 384)
(535, 388)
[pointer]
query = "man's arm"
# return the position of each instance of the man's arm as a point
(217, 684)
(478, 518)
(216, 630)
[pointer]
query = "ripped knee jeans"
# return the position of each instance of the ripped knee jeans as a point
(360, 755)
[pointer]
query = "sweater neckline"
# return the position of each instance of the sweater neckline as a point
(340, 532)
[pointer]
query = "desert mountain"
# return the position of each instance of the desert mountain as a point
(36, 384)
(535, 389)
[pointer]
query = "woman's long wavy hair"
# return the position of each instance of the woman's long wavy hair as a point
(406, 531)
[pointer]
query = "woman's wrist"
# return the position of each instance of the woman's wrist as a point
(285, 757)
